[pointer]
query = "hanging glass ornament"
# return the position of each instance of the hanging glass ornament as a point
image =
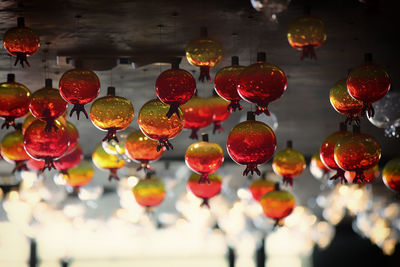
(149, 192)
(226, 81)
(79, 175)
(251, 143)
(69, 161)
(357, 152)
(204, 53)
(47, 105)
(277, 204)
(156, 126)
(391, 174)
(317, 167)
(261, 83)
(111, 113)
(175, 87)
(260, 187)
(79, 87)
(14, 101)
(368, 83)
(204, 158)
(327, 152)
(21, 42)
(12, 149)
(29, 119)
(46, 145)
(289, 163)
(271, 120)
(344, 104)
(198, 115)
(369, 175)
(204, 191)
(73, 136)
(105, 161)
(142, 149)
(270, 7)
(35, 165)
(220, 112)
(118, 148)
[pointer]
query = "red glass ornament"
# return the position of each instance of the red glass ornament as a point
(204, 190)
(111, 113)
(69, 161)
(21, 42)
(391, 175)
(175, 87)
(261, 84)
(105, 161)
(35, 165)
(357, 152)
(46, 145)
(14, 101)
(368, 83)
(226, 81)
(156, 126)
(12, 150)
(251, 143)
(204, 158)
(73, 136)
(198, 115)
(47, 105)
(327, 152)
(369, 175)
(149, 192)
(29, 119)
(260, 187)
(221, 112)
(277, 204)
(79, 87)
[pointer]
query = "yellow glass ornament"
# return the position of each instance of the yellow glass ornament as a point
(103, 160)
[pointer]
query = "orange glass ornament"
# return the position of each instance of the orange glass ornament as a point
(21, 42)
(14, 101)
(204, 158)
(70, 160)
(221, 112)
(142, 149)
(12, 150)
(204, 53)
(150, 191)
(79, 175)
(105, 161)
(369, 175)
(261, 83)
(289, 163)
(111, 113)
(156, 126)
(198, 115)
(260, 187)
(357, 152)
(204, 191)
(391, 174)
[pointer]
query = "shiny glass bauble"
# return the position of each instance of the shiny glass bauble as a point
(204, 190)
(198, 115)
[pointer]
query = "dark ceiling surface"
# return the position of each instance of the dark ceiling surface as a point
(100, 32)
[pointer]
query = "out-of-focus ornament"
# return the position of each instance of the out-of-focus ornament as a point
(21, 42)
(105, 161)
(226, 81)
(73, 136)
(79, 175)
(260, 187)
(251, 143)
(175, 87)
(142, 149)
(204, 190)
(357, 152)
(289, 163)
(69, 161)
(369, 175)
(111, 113)
(149, 192)
(198, 115)
(79, 87)
(220, 110)
(205, 53)
(271, 8)
(204, 158)
(391, 174)
(35, 165)
(14, 101)
(271, 120)
(47, 105)
(345, 104)
(368, 83)
(156, 126)
(12, 149)
(261, 83)
(118, 148)
(317, 167)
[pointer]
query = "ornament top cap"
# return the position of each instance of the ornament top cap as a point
(175, 63)
(111, 90)
(261, 57)
(204, 137)
(21, 22)
(289, 144)
(203, 32)
(10, 77)
(368, 57)
(251, 116)
(342, 126)
(356, 129)
(235, 61)
(48, 83)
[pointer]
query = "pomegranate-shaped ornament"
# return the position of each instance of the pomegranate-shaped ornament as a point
(226, 81)
(47, 105)
(277, 204)
(357, 152)
(14, 101)
(391, 175)
(156, 126)
(142, 149)
(317, 167)
(73, 136)
(368, 83)
(12, 149)
(344, 104)
(369, 175)
(289, 163)
(261, 83)
(79, 87)
(220, 112)
(204, 53)
(204, 158)
(198, 115)
(79, 175)
(46, 145)
(175, 87)
(327, 152)
(149, 192)
(204, 191)
(111, 113)
(306, 33)
(260, 187)
(105, 161)
(35, 165)
(21, 42)
(251, 143)
(69, 161)
(29, 119)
